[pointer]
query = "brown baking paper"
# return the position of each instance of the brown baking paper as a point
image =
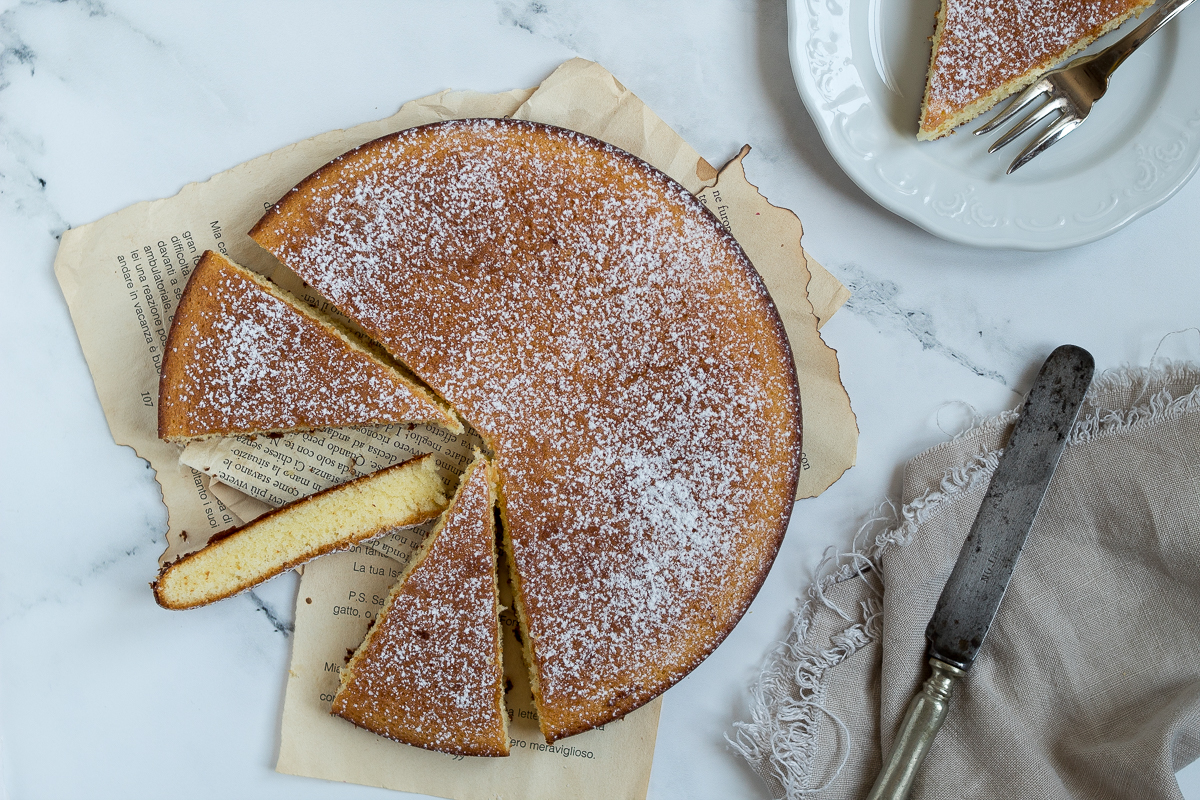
(122, 277)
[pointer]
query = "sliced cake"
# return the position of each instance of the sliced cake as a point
(611, 342)
(339, 517)
(243, 356)
(429, 672)
(984, 51)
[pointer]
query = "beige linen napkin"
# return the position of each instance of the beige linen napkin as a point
(1088, 684)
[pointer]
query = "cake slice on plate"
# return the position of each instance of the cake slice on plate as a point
(243, 356)
(984, 51)
(339, 517)
(429, 672)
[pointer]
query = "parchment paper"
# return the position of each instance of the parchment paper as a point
(122, 277)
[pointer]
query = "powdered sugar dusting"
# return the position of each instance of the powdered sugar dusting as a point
(988, 43)
(610, 341)
(429, 673)
(248, 361)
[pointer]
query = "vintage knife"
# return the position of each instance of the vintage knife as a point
(985, 563)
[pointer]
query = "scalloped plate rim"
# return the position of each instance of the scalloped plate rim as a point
(858, 169)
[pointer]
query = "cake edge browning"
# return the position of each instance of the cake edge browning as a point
(924, 133)
(290, 208)
(984, 104)
(168, 374)
(347, 673)
(160, 593)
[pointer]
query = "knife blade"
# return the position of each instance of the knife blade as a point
(977, 584)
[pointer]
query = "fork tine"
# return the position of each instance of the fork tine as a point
(1056, 132)
(1023, 99)
(1034, 117)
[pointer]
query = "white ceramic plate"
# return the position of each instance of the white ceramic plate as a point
(860, 66)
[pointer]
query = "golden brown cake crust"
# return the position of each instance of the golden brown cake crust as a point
(242, 356)
(429, 672)
(614, 346)
(227, 538)
(985, 51)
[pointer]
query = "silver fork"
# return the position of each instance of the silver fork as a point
(1073, 89)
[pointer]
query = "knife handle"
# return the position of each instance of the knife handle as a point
(924, 716)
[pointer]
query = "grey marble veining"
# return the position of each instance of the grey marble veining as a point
(282, 620)
(877, 301)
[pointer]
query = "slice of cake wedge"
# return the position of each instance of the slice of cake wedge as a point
(243, 356)
(408, 493)
(429, 672)
(984, 51)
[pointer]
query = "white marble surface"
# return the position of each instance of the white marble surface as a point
(102, 104)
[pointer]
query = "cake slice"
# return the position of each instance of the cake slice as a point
(243, 356)
(337, 518)
(430, 671)
(984, 51)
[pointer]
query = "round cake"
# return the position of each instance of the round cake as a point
(619, 355)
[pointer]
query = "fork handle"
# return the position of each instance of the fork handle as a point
(1114, 56)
